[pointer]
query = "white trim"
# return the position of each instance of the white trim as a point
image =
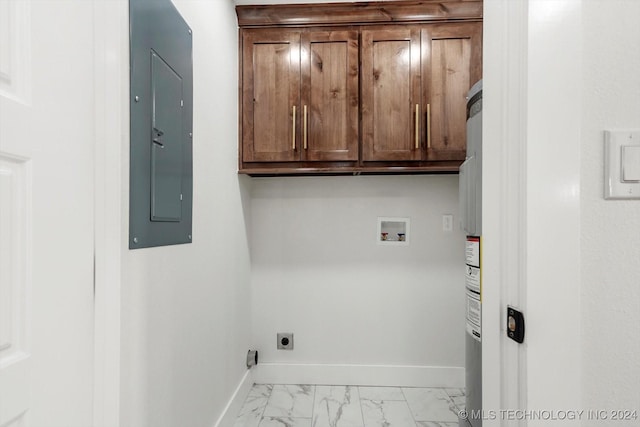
(365, 375)
(110, 75)
(553, 147)
(504, 381)
(531, 212)
(232, 409)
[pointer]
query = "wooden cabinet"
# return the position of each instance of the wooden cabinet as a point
(300, 96)
(452, 63)
(374, 88)
(391, 94)
(270, 92)
(330, 98)
(414, 83)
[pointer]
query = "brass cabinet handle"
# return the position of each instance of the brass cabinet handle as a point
(428, 125)
(304, 127)
(293, 131)
(417, 126)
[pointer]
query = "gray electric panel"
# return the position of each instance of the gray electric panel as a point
(161, 163)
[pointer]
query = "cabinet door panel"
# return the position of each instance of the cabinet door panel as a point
(452, 67)
(330, 93)
(271, 88)
(390, 93)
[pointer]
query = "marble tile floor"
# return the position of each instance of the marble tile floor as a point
(270, 405)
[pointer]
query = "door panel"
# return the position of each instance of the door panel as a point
(330, 95)
(166, 146)
(46, 213)
(390, 94)
(271, 90)
(451, 67)
(15, 363)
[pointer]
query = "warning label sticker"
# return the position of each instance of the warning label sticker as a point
(473, 283)
(472, 278)
(472, 251)
(474, 315)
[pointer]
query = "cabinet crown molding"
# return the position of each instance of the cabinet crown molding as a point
(362, 13)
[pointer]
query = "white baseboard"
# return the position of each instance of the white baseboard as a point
(366, 375)
(230, 413)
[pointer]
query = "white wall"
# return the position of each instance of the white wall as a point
(610, 229)
(317, 271)
(186, 309)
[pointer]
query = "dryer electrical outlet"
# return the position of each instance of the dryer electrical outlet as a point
(285, 340)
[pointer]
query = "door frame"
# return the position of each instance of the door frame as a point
(531, 205)
(513, 59)
(504, 181)
(111, 87)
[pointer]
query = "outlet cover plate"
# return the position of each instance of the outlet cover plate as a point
(285, 340)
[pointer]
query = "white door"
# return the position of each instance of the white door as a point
(46, 213)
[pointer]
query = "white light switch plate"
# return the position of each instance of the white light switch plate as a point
(615, 144)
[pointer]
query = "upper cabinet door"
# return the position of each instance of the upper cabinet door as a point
(452, 63)
(391, 94)
(270, 96)
(330, 102)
